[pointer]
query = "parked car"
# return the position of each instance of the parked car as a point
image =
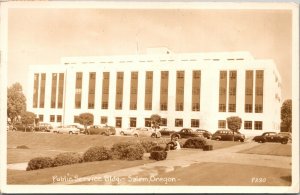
(23, 127)
(186, 133)
(128, 131)
(70, 129)
(102, 130)
(270, 137)
(288, 135)
(80, 127)
(166, 131)
(205, 133)
(146, 132)
(43, 127)
(227, 135)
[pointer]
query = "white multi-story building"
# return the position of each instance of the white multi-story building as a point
(198, 90)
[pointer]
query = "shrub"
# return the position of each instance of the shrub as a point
(207, 147)
(22, 147)
(67, 158)
(128, 151)
(147, 145)
(195, 142)
(157, 148)
(158, 153)
(39, 163)
(97, 153)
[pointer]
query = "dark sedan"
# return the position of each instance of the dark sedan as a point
(166, 132)
(101, 130)
(227, 135)
(186, 133)
(270, 137)
(205, 133)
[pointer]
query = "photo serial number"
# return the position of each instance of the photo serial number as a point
(258, 180)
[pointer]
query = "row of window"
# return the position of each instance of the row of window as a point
(258, 125)
(53, 118)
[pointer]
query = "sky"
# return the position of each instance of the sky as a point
(43, 36)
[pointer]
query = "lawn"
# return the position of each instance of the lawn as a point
(218, 174)
(276, 149)
(45, 176)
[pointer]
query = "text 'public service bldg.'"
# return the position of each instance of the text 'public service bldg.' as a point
(198, 90)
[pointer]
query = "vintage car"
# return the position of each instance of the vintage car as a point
(288, 135)
(128, 131)
(166, 131)
(186, 133)
(270, 137)
(22, 127)
(43, 127)
(205, 133)
(101, 130)
(228, 135)
(70, 129)
(146, 132)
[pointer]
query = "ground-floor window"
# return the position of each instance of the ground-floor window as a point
(248, 125)
(163, 122)
(178, 122)
(118, 122)
(132, 122)
(103, 119)
(222, 124)
(195, 123)
(258, 125)
(52, 118)
(58, 118)
(147, 122)
(41, 118)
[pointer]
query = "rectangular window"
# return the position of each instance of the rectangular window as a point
(105, 90)
(78, 89)
(53, 90)
(35, 90)
(249, 91)
(180, 91)
(163, 122)
(259, 88)
(195, 107)
(132, 122)
(148, 106)
(258, 125)
(178, 122)
(134, 90)
(58, 118)
(195, 123)
(232, 91)
(41, 118)
(232, 107)
(248, 108)
(164, 90)
(248, 125)
(42, 90)
(147, 122)
(103, 119)
(258, 108)
(52, 118)
(118, 122)
(119, 91)
(60, 90)
(222, 124)
(222, 91)
(92, 86)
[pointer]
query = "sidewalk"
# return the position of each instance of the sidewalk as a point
(185, 158)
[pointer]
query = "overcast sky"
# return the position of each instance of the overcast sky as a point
(43, 36)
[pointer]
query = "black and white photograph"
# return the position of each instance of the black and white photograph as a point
(149, 97)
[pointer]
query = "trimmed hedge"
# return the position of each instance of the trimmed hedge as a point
(208, 147)
(97, 153)
(128, 151)
(39, 163)
(22, 147)
(67, 158)
(195, 142)
(158, 153)
(147, 145)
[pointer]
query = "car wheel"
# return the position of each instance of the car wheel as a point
(122, 133)
(70, 132)
(218, 139)
(153, 135)
(136, 135)
(284, 142)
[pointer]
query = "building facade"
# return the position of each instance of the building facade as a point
(198, 90)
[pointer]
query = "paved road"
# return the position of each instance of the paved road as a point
(185, 158)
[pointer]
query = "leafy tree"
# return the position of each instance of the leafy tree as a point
(286, 116)
(16, 102)
(155, 121)
(86, 119)
(234, 124)
(27, 118)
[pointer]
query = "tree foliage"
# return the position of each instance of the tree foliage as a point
(86, 119)
(155, 120)
(27, 118)
(16, 101)
(286, 116)
(234, 124)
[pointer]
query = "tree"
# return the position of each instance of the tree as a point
(16, 102)
(155, 121)
(234, 124)
(86, 119)
(27, 118)
(286, 116)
